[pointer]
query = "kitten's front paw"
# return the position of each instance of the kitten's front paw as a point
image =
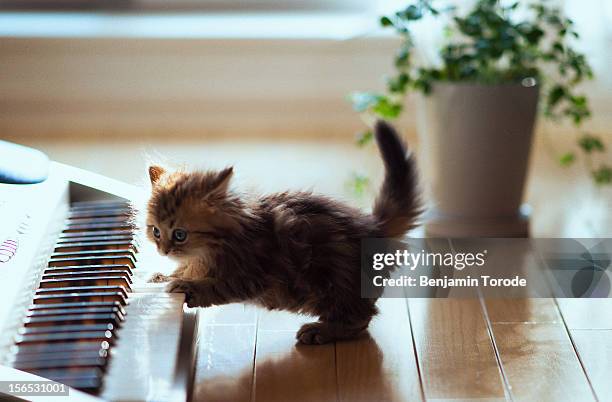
(193, 298)
(314, 333)
(158, 277)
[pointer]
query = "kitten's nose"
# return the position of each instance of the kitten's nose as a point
(164, 250)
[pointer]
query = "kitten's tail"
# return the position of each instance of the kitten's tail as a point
(398, 205)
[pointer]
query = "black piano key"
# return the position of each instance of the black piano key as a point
(81, 289)
(74, 269)
(88, 274)
(94, 239)
(62, 262)
(46, 355)
(86, 281)
(101, 213)
(61, 363)
(96, 208)
(100, 245)
(60, 347)
(73, 319)
(82, 220)
(81, 297)
(86, 379)
(92, 227)
(66, 328)
(113, 203)
(96, 233)
(74, 311)
(95, 253)
(71, 305)
(87, 385)
(66, 337)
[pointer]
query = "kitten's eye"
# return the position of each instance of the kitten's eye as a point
(179, 235)
(156, 232)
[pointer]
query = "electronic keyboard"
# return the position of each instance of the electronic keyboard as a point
(75, 305)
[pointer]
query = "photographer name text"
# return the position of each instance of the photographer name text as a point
(446, 282)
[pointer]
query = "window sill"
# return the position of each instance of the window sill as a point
(333, 26)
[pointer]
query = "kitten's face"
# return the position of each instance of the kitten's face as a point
(187, 212)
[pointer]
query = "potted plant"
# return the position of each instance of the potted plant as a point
(476, 111)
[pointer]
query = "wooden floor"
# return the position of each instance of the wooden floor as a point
(434, 350)
(420, 349)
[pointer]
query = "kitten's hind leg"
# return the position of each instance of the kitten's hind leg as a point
(321, 332)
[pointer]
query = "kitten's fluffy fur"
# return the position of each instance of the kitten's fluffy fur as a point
(293, 251)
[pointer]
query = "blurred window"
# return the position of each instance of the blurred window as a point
(204, 5)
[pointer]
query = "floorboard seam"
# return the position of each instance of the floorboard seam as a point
(571, 338)
(253, 396)
(336, 367)
(414, 352)
(500, 365)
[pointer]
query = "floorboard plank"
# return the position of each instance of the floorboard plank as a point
(523, 311)
(536, 352)
(595, 350)
(590, 325)
(286, 371)
(454, 350)
(586, 313)
(381, 366)
(540, 363)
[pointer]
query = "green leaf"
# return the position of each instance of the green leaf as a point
(567, 159)
(365, 138)
(534, 35)
(402, 58)
(555, 95)
(411, 13)
(603, 175)
(386, 21)
(590, 144)
(558, 47)
(398, 84)
(363, 101)
(387, 109)
(359, 184)
(378, 104)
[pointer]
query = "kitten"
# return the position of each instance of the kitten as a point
(294, 251)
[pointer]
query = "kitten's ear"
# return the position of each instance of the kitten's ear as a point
(223, 180)
(155, 172)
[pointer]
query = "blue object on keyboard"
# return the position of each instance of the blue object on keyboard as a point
(22, 165)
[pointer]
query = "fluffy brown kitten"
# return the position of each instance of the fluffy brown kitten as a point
(294, 251)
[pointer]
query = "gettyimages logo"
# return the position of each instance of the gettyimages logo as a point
(579, 268)
(411, 260)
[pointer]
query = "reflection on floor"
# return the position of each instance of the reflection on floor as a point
(435, 349)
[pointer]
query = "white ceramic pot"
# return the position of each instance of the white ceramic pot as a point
(476, 141)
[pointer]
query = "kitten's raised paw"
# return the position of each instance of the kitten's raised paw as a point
(189, 288)
(158, 277)
(314, 333)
